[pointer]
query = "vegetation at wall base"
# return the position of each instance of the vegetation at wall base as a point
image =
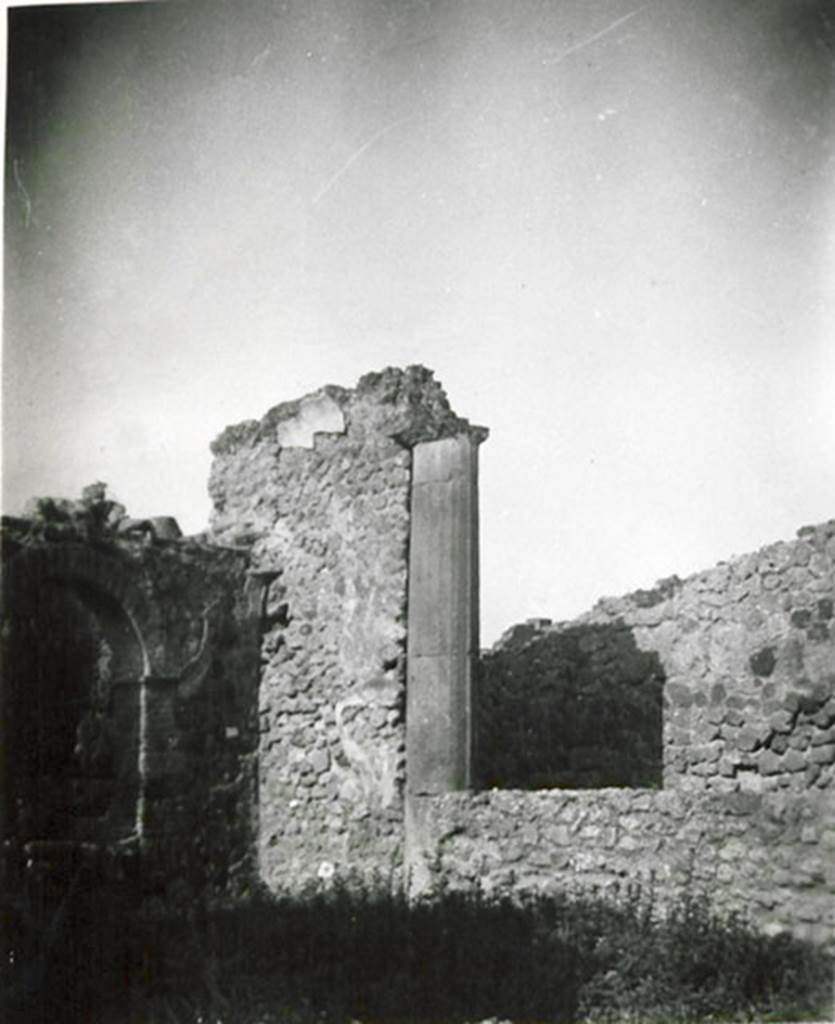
(340, 955)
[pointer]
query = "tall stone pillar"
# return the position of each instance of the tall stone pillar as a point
(443, 614)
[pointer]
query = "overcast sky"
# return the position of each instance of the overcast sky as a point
(608, 227)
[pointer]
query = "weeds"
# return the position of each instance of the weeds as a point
(338, 955)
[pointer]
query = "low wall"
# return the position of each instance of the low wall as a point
(770, 856)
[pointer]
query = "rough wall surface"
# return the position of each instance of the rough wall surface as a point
(771, 856)
(232, 706)
(746, 654)
(129, 693)
(201, 733)
(743, 656)
(320, 489)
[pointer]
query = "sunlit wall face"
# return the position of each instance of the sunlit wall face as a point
(607, 227)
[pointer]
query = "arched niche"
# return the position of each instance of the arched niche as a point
(73, 666)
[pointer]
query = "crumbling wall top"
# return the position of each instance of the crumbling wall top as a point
(408, 405)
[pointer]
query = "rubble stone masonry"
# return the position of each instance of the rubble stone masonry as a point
(320, 489)
(234, 705)
(743, 656)
(728, 677)
(130, 678)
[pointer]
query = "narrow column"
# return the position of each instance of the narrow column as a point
(443, 614)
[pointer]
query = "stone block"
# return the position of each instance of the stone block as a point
(749, 739)
(780, 744)
(679, 695)
(769, 763)
(823, 755)
(762, 662)
(825, 716)
(319, 760)
(823, 737)
(794, 761)
(781, 721)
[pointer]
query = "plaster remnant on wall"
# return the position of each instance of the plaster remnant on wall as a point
(318, 413)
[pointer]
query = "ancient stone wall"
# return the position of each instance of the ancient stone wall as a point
(720, 688)
(233, 707)
(770, 856)
(320, 489)
(201, 728)
(746, 656)
(130, 675)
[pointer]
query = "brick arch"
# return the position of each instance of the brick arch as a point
(93, 570)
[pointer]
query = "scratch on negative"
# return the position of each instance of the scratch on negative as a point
(593, 39)
(27, 201)
(352, 159)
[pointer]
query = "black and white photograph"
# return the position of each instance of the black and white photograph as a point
(418, 492)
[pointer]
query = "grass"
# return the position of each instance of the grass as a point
(337, 955)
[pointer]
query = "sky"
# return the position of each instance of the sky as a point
(608, 227)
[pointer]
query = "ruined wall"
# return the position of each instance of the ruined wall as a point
(235, 703)
(771, 856)
(746, 655)
(320, 488)
(743, 658)
(130, 673)
(201, 733)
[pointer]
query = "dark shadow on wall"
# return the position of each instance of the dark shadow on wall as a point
(66, 653)
(578, 707)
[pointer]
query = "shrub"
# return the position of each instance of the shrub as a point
(339, 955)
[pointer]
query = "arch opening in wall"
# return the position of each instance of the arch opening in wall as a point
(72, 707)
(571, 707)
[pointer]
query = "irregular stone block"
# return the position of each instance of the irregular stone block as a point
(319, 760)
(781, 721)
(763, 661)
(769, 763)
(823, 737)
(794, 761)
(679, 695)
(749, 739)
